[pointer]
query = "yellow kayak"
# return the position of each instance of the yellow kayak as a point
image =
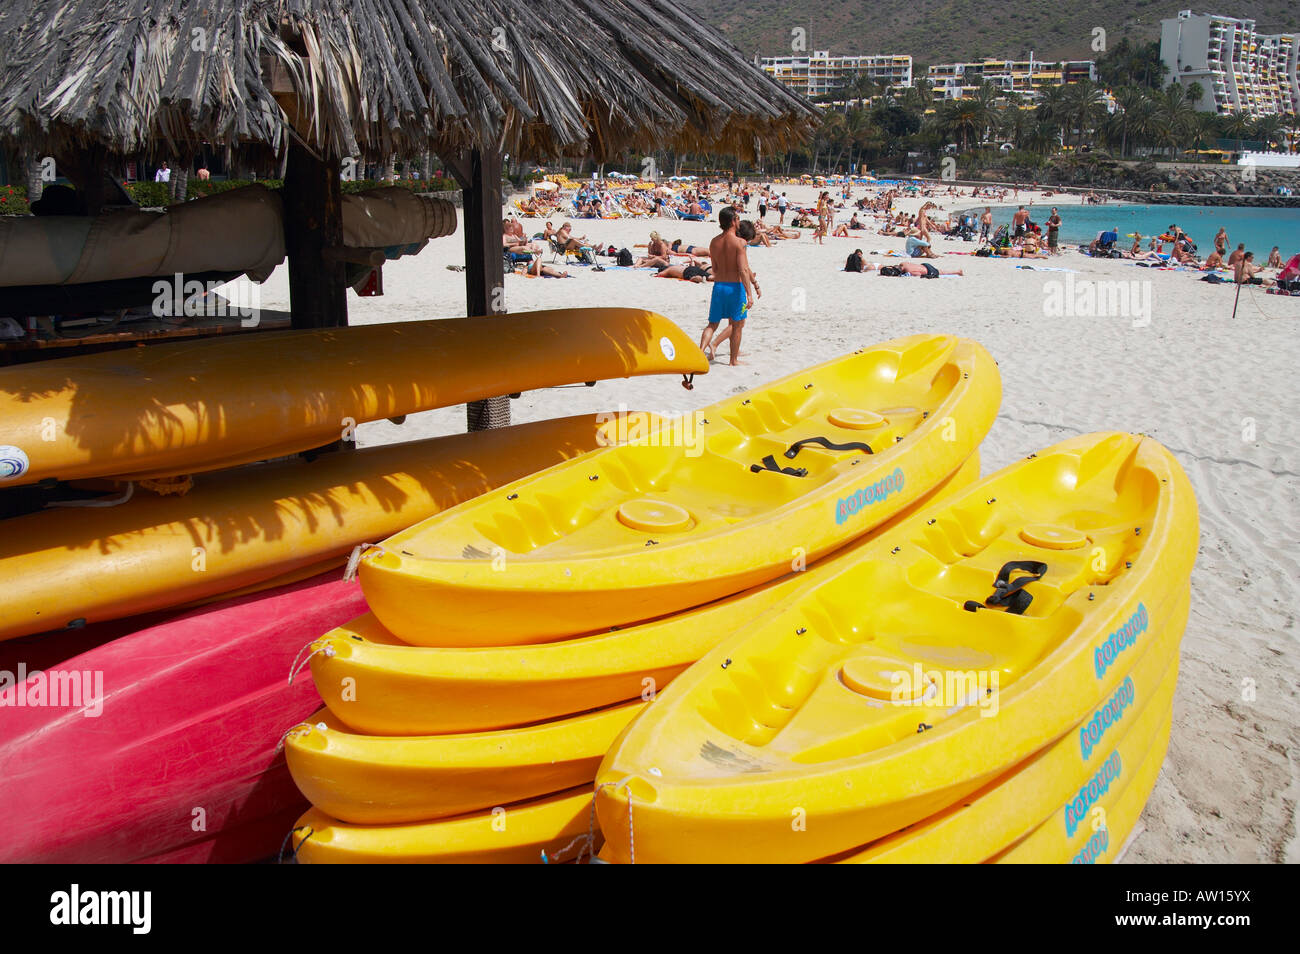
(839, 719)
(1114, 815)
(715, 504)
(987, 821)
(423, 690)
(256, 525)
(191, 406)
(558, 825)
(370, 780)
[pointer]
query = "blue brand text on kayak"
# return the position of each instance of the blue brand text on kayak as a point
(846, 507)
(1120, 640)
(1097, 786)
(1090, 852)
(1092, 731)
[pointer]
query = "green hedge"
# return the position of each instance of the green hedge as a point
(13, 200)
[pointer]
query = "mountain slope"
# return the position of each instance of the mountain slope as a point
(938, 31)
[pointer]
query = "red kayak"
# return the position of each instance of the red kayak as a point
(161, 745)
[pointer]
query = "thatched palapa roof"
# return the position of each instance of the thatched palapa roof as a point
(374, 77)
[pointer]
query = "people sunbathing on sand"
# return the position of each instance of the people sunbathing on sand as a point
(1247, 272)
(1023, 251)
(538, 270)
(513, 238)
(916, 269)
(570, 243)
(697, 251)
(696, 270)
(656, 253)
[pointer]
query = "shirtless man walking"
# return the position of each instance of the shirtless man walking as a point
(733, 286)
(1019, 224)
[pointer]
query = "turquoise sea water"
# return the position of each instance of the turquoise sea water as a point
(1260, 229)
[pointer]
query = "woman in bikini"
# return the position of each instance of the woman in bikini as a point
(696, 270)
(565, 239)
(656, 253)
(691, 251)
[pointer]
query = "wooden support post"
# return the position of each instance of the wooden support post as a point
(313, 221)
(479, 174)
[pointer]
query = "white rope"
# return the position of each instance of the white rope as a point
(327, 651)
(589, 839)
(98, 501)
(305, 726)
(354, 561)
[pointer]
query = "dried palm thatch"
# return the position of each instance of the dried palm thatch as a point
(377, 77)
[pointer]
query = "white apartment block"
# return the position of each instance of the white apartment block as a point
(1240, 71)
(1024, 77)
(819, 73)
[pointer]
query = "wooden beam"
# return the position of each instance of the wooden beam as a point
(313, 222)
(479, 175)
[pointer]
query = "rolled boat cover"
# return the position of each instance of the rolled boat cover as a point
(237, 231)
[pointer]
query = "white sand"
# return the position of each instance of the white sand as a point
(1214, 390)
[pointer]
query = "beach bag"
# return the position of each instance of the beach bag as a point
(853, 264)
(587, 257)
(893, 271)
(624, 258)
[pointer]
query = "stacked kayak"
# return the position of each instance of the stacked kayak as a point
(1004, 694)
(423, 751)
(189, 407)
(475, 736)
(254, 525)
(725, 500)
(167, 748)
(151, 736)
(132, 741)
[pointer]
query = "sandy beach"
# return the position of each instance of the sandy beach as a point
(1213, 389)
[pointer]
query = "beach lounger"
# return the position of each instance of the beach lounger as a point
(558, 251)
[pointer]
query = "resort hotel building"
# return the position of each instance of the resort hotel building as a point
(1024, 77)
(819, 73)
(1240, 70)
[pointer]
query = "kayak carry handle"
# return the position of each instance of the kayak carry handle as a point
(825, 442)
(1011, 594)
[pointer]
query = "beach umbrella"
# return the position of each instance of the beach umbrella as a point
(545, 187)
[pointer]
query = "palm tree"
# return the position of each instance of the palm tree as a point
(1052, 106)
(1083, 102)
(1204, 128)
(961, 118)
(32, 176)
(1175, 115)
(862, 88)
(1237, 126)
(1268, 129)
(1132, 116)
(1043, 135)
(919, 96)
(1013, 122)
(985, 100)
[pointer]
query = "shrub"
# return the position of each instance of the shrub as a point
(13, 200)
(149, 194)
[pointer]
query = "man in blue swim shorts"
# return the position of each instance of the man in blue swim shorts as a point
(733, 291)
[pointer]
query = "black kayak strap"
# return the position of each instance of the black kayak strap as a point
(825, 442)
(769, 463)
(1009, 593)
